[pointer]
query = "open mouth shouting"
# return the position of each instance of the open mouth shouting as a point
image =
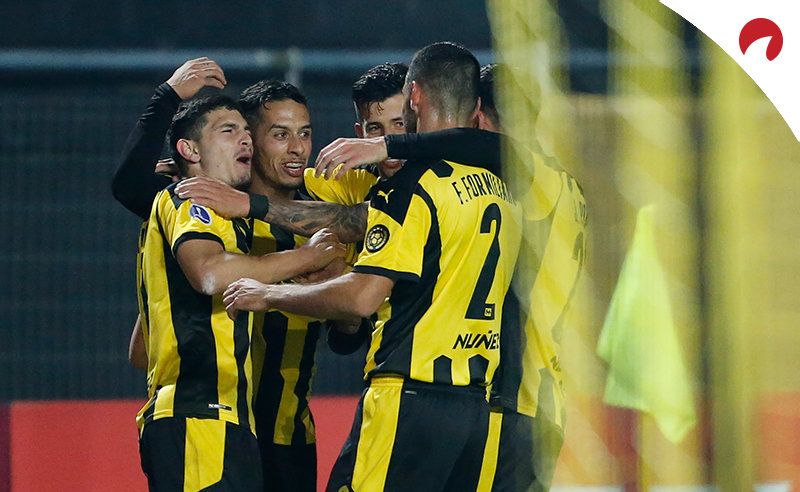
(294, 168)
(245, 158)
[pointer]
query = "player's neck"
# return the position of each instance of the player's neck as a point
(263, 187)
(435, 121)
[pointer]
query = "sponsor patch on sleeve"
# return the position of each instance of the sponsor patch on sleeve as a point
(200, 213)
(377, 237)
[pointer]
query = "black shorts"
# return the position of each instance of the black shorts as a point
(413, 436)
(290, 468)
(193, 454)
(521, 452)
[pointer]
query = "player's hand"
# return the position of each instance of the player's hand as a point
(195, 74)
(347, 326)
(167, 167)
(344, 154)
(246, 294)
(216, 195)
(325, 247)
(333, 269)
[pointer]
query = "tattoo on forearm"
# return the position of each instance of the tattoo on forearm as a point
(306, 217)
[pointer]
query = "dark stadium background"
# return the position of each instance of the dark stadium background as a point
(637, 104)
(76, 74)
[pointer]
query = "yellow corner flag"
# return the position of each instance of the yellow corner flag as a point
(638, 341)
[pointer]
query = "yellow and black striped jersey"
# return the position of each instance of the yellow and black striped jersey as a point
(448, 235)
(141, 294)
(550, 260)
(283, 357)
(199, 360)
(351, 189)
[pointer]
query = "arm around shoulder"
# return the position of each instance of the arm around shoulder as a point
(210, 269)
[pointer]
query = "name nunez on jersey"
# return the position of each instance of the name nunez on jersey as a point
(490, 341)
(480, 184)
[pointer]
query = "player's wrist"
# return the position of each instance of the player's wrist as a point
(387, 142)
(382, 146)
(259, 206)
(166, 92)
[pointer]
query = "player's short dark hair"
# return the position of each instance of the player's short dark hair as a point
(255, 97)
(378, 84)
(486, 92)
(449, 74)
(190, 119)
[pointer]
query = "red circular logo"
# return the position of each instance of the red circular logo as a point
(762, 28)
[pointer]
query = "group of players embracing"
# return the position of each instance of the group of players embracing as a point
(406, 238)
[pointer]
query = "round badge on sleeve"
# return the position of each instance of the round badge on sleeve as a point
(200, 213)
(377, 237)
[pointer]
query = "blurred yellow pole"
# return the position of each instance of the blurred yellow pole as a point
(735, 179)
(529, 41)
(655, 164)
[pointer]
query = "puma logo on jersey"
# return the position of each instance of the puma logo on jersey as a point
(385, 195)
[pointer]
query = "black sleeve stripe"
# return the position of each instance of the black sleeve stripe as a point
(442, 169)
(176, 200)
(393, 196)
(186, 236)
(385, 272)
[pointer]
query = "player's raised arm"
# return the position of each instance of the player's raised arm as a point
(344, 154)
(135, 185)
(196, 74)
(464, 145)
(297, 216)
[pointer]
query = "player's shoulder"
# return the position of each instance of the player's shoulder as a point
(168, 204)
(547, 165)
(363, 178)
(393, 196)
(171, 207)
(169, 197)
(358, 181)
(358, 174)
(458, 172)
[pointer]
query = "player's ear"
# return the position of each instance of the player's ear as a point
(482, 120)
(477, 115)
(188, 150)
(359, 130)
(415, 95)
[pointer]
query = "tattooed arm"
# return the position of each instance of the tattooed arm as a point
(307, 217)
(301, 217)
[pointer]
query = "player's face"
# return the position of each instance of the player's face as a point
(226, 148)
(384, 118)
(409, 115)
(283, 143)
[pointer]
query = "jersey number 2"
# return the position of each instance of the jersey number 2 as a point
(478, 307)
